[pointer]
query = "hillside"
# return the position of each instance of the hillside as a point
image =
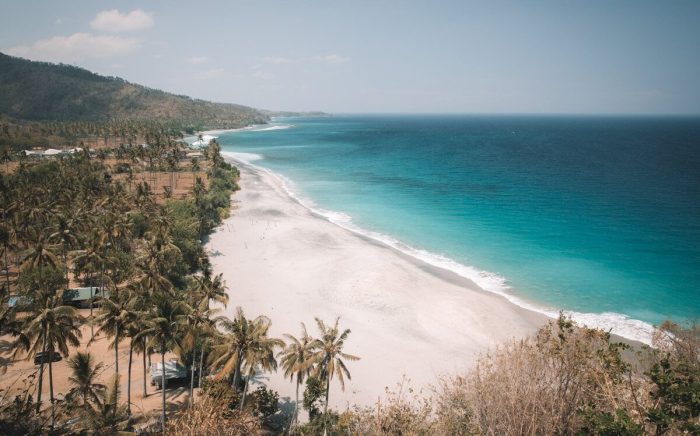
(44, 91)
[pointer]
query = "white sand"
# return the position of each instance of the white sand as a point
(406, 317)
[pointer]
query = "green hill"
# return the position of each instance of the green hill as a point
(43, 91)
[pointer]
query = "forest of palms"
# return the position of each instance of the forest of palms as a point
(93, 219)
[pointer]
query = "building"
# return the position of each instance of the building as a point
(81, 297)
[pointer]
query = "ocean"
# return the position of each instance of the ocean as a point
(595, 216)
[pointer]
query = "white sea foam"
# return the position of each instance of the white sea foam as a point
(616, 323)
(277, 127)
(246, 158)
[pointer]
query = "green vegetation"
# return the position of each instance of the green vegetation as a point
(50, 92)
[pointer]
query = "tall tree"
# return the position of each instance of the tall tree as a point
(163, 332)
(83, 379)
(115, 315)
(51, 328)
(329, 355)
(244, 345)
(297, 361)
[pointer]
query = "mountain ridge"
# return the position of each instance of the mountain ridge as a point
(43, 91)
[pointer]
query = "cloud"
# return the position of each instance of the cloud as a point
(58, 21)
(196, 59)
(277, 60)
(115, 21)
(78, 46)
(332, 59)
(213, 73)
(263, 75)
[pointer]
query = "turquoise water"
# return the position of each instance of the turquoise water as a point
(597, 216)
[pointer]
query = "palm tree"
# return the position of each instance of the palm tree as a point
(83, 379)
(194, 166)
(227, 355)
(297, 361)
(142, 303)
(105, 416)
(260, 353)
(51, 328)
(6, 245)
(136, 324)
(163, 333)
(40, 254)
(329, 355)
(197, 324)
(114, 317)
(244, 346)
(65, 234)
(90, 261)
(208, 289)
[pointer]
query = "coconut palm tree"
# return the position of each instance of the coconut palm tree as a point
(260, 354)
(51, 328)
(136, 324)
(83, 378)
(114, 317)
(65, 233)
(197, 325)
(244, 345)
(329, 355)
(211, 288)
(207, 289)
(297, 361)
(89, 261)
(238, 335)
(41, 252)
(105, 416)
(162, 329)
(7, 244)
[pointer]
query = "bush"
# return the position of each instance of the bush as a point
(541, 385)
(210, 416)
(264, 402)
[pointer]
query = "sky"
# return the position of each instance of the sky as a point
(561, 56)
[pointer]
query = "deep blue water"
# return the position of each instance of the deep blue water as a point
(587, 214)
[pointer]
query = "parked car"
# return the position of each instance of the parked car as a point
(45, 357)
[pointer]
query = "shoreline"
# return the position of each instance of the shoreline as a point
(282, 260)
(622, 326)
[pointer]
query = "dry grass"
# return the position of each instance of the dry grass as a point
(211, 417)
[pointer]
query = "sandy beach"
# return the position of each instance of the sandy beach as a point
(407, 317)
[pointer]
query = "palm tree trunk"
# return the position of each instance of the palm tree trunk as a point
(7, 272)
(245, 390)
(116, 350)
(65, 263)
(41, 377)
(145, 393)
(162, 361)
(201, 367)
(296, 405)
(92, 325)
(328, 389)
(192, 368)
(237, 372)
(128, 377)
(53, 408)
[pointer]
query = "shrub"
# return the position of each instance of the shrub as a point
(210, 416)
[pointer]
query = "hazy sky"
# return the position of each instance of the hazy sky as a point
(382, 56)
